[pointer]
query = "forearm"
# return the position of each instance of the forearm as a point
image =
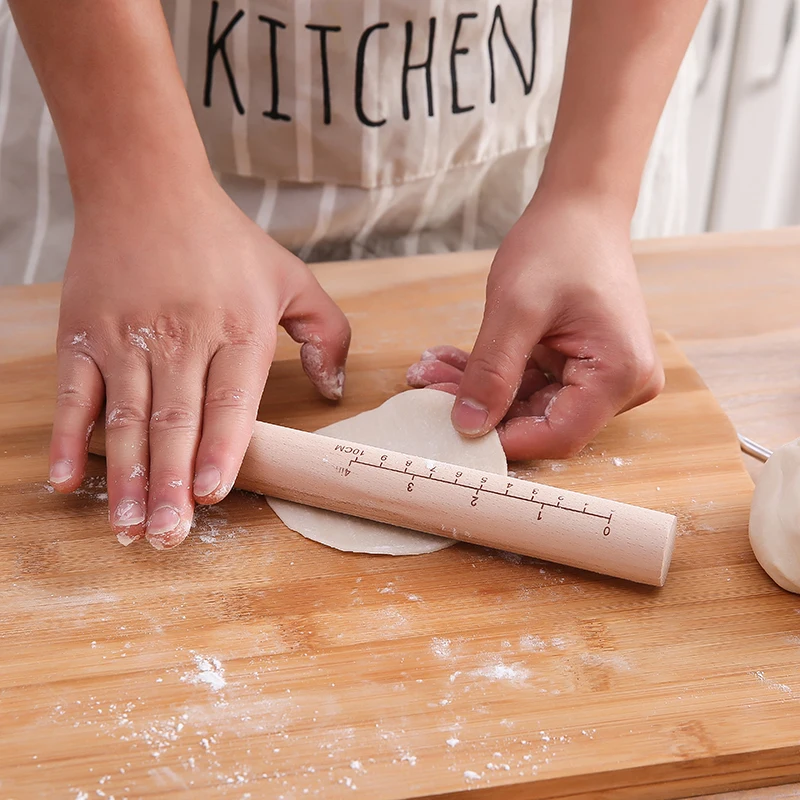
(111, 82)
(622, 59)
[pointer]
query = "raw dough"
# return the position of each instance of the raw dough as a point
(417, 423)
(775, 517)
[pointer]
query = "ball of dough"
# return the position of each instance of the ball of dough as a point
(775, 517)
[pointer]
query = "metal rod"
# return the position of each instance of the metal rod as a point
(754, 448)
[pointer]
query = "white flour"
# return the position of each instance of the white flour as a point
(209, 671)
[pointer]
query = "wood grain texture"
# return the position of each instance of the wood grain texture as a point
(401, 677)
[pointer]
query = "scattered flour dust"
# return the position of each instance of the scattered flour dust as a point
(208, 670)
(769, 683)
(94, 489)
(537, 644)
(210, 525)
(393, 617)
(441, 647)
(620, 462)
(515, 674)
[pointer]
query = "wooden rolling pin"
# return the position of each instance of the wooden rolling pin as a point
(531, 519)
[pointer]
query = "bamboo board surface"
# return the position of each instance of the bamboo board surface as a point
(251, 662)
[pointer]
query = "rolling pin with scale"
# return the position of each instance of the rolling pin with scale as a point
(497, 511)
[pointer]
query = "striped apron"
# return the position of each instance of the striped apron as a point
(345, 128)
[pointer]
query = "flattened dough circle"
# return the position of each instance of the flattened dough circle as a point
(417, 423)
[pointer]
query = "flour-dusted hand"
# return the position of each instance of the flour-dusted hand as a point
(169, 313)
(565, 342)
(171, 295)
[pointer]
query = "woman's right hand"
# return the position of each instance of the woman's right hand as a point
(168, 316)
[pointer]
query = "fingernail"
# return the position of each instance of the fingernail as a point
(128, 513)
(162, 521)
(125, 538)
(61, 472)
(169, 540)
(470, 416)
(331, 385)
(206, 481)
(340, 378)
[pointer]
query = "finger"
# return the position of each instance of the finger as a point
(454, 356)
(424, 373)
(651, 389)
(633, 375)
(533, 380)
(79, 399)
(536, 405)
(174, 437)
(314, 320)
(576, 413)
(572, 420)
(448, 388)
(236, 379)
(494, 371)
(127, 451)
(548, 361)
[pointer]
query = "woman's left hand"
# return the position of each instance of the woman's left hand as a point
(565, 342)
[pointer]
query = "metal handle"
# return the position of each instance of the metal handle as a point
(773, 75)
(754, 448)
(714, 38)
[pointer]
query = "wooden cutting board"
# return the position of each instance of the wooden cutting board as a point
(251, 662)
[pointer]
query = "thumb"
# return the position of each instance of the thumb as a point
(314, 320)
(494, 371)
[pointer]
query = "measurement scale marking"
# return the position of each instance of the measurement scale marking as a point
(481, 488)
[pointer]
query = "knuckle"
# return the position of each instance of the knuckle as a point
(228, 397)
(75, 340)
(173, 418)
(125, 415)
(172, 328)
(254, 346)
(240, 331)
(69, 396)
(647, 374)
(637, 370)
(234, 332)
(167, 336)
(654, 385)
